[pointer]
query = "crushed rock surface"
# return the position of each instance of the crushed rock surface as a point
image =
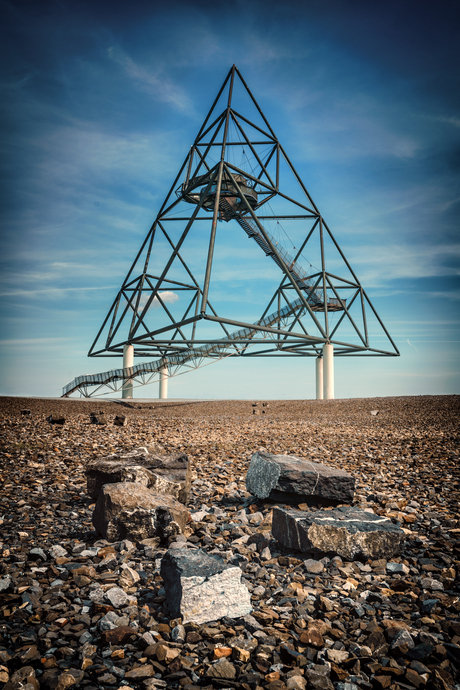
(78, 611)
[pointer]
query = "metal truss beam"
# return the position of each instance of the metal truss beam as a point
(305, 303)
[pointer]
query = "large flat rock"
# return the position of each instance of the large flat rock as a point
(346, 531)
(201, 588)
(164, 473)
(128, 510)
(286, 478)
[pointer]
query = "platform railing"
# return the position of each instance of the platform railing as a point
(183, 357)
(314, 298)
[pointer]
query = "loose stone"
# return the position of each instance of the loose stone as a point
(288, 478)
(164, 474)
(346, 531)
(132, 511)
(201, 588)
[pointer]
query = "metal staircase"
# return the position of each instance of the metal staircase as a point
(315, 296)
(192, 357)
(219, 348)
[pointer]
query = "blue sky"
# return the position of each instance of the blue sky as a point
(100, 104)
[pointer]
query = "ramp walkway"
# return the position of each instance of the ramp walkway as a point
(219, 349)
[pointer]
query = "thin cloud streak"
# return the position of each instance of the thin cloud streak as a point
(152, 80)
(57, 291)
(409, 343)
(35, 341)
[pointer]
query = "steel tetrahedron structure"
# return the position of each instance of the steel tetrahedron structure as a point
(199, 291)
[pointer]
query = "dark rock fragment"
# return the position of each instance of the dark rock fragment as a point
(428, 605)
(346, 531)
(140, 673)
(55, 420)
(131, 511)
(98, 418)
(117, 636)
(420, 652)
(402, 642)
(37, 553)
(222, 669)
(318, 677)
(286, 478)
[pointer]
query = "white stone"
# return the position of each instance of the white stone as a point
(431, 583)
(200, 588)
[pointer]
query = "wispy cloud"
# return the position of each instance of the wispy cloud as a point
(348, 132)
(395, 261)
(52, 292)
(152, 80)
(454, 121)
(261, 49)
(168, 297)
(451, 295)
(87, 153)
(35, 341)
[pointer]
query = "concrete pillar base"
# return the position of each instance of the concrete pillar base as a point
(319, 378)
(328, 363)
(128, 361)
(164, 382)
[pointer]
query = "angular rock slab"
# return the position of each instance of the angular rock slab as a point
(201, 588)
(171, 474)
(105, 471)
(131, 511)
(346, 531)
(165, 474)
(286, 478)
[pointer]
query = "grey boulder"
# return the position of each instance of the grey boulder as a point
(131, 511)
(201, 588)
(286, 478)
(106, 471)
(346, 531)
(164, 474)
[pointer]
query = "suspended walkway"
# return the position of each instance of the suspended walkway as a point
(191, 357)
(218, 349)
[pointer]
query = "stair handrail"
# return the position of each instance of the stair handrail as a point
(295, 269)
(183, 357)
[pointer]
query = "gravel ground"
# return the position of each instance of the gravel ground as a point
(78, 611)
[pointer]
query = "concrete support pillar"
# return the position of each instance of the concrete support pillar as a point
(328, 357)
(319, 378)
(164, 382)
(128, 361)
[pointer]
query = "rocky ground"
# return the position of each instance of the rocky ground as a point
(78, 611)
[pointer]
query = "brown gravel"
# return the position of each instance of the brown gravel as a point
(343, 625)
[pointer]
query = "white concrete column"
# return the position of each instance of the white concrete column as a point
(328, 357)
(164, 382)
(128, 361)
(319, 378)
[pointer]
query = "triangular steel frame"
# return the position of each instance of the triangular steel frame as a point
(296, 321)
